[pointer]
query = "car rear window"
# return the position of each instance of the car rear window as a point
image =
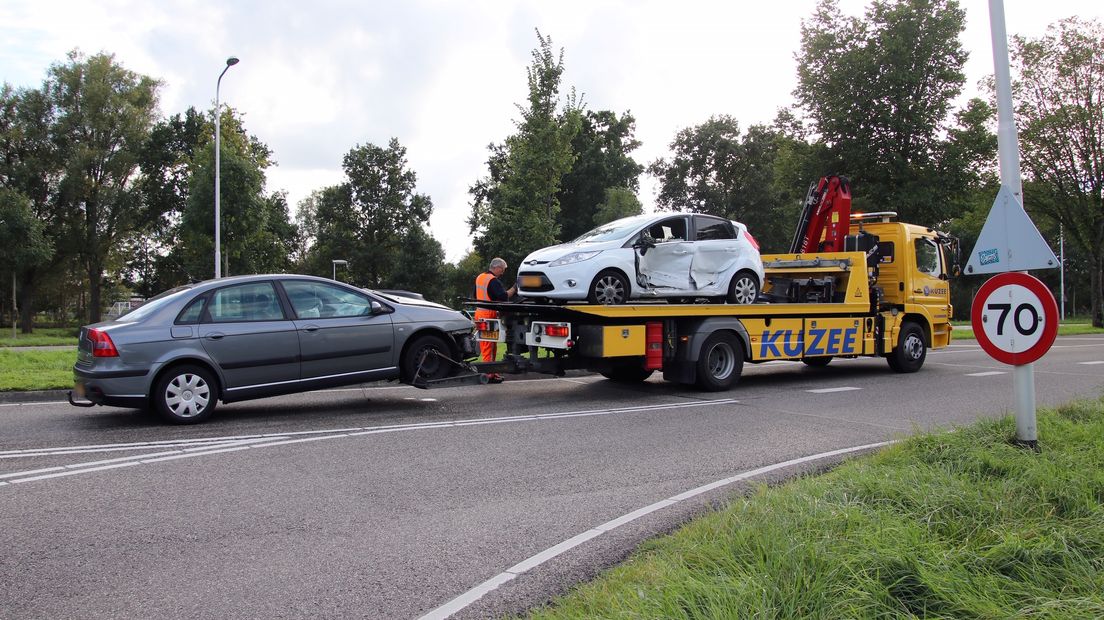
(154, 304)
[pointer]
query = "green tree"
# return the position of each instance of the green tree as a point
(603, 162)
(516, 210)
(103, 114)
(1060, 95)
(375, 220)
(879, 92)
(255, 228)
(716, 170)
(23, 242)
(618, 202)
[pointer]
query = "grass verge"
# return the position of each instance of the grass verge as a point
(966, 332)
(950, 525)
(42, 337)
(36, 370)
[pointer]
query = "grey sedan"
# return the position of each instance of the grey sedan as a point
(254, 336)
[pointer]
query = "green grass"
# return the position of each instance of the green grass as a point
(43, 336)
(963, 331)
(36, 370)
(949, 525)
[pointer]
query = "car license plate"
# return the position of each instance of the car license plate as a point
(530, 281)
(488, 335)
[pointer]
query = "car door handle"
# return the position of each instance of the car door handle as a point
(310, 328)
(215, 336)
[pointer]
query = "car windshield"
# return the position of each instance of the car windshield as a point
(616, 229)
(153, 304)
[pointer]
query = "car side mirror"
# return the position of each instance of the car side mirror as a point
(378, 308)
(645, 243)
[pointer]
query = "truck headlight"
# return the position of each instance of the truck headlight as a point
(574, 257)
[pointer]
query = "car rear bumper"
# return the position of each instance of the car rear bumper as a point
(117, 388)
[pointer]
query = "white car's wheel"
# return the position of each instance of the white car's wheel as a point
(609, 288)
(744, 288)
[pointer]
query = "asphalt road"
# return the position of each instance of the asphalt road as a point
(391, 502)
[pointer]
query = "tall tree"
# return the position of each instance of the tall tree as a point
(103, 114)
(23, 242)
(519, 212)
(619, 202)
(375, 221)
(879, 93)
(603, 161)
(256, 232)
(1060, 113)
(716, 170)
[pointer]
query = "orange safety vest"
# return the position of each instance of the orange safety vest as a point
(482, 281)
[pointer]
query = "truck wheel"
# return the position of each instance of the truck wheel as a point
(817, 362)
(744, 288)
(434, 366)
(609, 288)
(627, 373)
(186, 395)
(720, 363)
(911, 350)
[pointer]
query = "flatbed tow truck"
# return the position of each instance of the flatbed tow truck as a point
(876, 288)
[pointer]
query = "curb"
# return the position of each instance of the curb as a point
(34, 396)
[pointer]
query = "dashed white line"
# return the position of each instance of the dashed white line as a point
(989, 373)
(831, 390)
(467, 598)
(1092, 363)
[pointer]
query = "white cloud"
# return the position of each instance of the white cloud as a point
(318, 78)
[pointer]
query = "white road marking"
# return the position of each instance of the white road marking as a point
(989, 373)
(830, 390)
(1093, 363)
(219, 445)
(460, 602)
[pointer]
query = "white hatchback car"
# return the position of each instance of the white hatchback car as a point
(677, 256)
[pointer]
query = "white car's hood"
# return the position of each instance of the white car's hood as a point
(551, 253)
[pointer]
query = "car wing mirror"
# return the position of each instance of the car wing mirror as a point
(645, 243)
(378, 308)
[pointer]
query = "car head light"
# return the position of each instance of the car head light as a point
(574, 257)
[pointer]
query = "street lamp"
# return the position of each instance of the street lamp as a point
(336, 262)
(230, 62)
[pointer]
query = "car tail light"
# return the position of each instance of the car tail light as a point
(101, 344)
(483, 326)
(751, 240)
(561, 331)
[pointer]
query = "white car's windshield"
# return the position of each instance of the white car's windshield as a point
(616, 229)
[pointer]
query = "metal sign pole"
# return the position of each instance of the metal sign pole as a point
(1008, 149)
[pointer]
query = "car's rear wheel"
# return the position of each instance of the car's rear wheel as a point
(744, 288)
(186, 394)
(428, 352)
(609, 288)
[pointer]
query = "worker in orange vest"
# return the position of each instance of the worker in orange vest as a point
(488, 287)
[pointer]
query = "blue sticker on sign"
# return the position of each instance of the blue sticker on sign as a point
(988, 257)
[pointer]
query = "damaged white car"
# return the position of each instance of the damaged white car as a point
(680, 257)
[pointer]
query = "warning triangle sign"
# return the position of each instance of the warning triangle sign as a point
(1009, 241)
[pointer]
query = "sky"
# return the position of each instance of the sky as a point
(444, 77)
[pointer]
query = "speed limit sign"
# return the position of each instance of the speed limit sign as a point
(1015, 318)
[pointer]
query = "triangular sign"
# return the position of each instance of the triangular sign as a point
(1009, 241)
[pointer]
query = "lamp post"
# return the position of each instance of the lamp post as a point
(230, 62)
(336, 262)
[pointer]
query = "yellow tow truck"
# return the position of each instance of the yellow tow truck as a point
(887, 294)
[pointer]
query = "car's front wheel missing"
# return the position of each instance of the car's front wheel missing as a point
(186, 394)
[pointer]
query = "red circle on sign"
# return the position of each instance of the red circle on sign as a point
(1035, 289)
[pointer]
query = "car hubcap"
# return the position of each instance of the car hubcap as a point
(609, 291)
(744, 290)
(721, 361)
(187, 395)
(914, 347)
